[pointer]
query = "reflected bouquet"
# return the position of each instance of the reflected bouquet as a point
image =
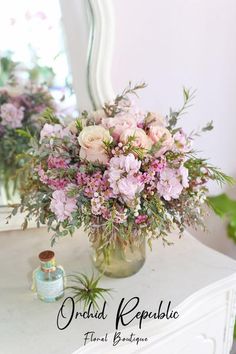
(119, 169)
(20, 108)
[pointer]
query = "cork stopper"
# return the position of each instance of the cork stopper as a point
(46, 256)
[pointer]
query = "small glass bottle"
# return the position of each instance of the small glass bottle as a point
(48, 279)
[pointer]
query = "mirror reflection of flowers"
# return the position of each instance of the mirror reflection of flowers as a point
(20, 108)
(129, 174)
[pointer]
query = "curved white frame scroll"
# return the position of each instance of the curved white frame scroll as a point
(100, 53)
(89, 30)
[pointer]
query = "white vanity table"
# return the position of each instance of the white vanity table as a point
(200, 283)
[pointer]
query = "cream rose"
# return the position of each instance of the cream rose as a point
(161, 135)
(119, 124)
(141, 138)
(91, 140)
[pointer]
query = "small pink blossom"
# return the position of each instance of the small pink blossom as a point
(62, 205)
(141, 219)
(157, 165)
(57, 162)
(11, 115)
(57, 183)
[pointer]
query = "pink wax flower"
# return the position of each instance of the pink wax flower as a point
(141, 219)
(97, 203)
(57, 162)
(11, 115)
(120, 216)
(158, 165)
(62, 205)
(145, 177)
(169, 185)
(58, 183)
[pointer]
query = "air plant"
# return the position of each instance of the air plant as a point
(85, 289)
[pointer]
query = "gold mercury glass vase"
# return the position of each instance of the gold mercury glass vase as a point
(119, 258)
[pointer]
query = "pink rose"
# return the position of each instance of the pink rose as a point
(119, 124)
(141, 138)
(91, 140)
(162, 136)
(155, 119)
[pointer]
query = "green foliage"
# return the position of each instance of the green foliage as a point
(48, 116)
(225, 207)
(86, 290)
(42, 75)
(112, 109)
(174, 116)
(7, 69)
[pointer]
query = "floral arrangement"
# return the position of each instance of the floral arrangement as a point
(132, 172)
(20, 108)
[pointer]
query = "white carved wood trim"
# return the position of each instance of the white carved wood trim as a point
(100, 52)
(230, 321)
(214, 305)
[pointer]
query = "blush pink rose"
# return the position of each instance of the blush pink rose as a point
(119, 124)
(91, 140)
(161, 135)
(141, 138)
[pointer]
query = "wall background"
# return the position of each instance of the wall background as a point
(174, 43)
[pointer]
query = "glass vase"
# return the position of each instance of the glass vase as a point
(120, 257)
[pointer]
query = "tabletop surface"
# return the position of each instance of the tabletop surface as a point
(28, 325)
